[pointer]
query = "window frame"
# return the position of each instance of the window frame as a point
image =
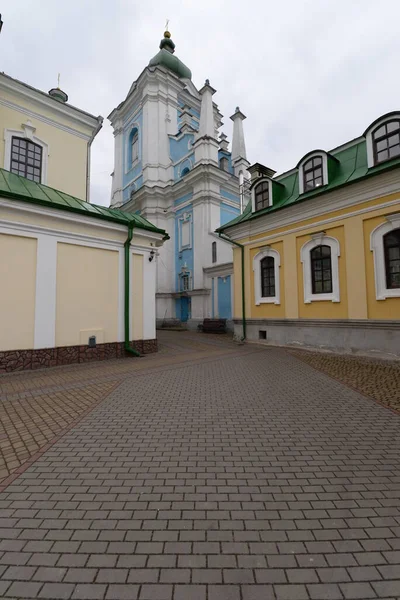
(382, 292)
(384, 137)
(26, 133)
(224, 160)
(268, 267)
(25, 164)
(320, 239)
(134, 143)
(253, 194)
(303, 163)
(387, 259)
(368, 134)
(313, 170)
(313, 269)
(266, 252)
(214, 252)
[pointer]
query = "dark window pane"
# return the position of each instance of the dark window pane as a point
(312, 173)
(381, 145)
(384, 155)
(380, 131)
(391, 244)
(395, 151)
(392, 126)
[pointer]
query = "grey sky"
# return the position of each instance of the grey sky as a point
(307, 73)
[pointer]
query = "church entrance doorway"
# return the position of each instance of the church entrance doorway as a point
(185, 308)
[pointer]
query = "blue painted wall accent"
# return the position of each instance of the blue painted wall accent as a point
(184, 256)
(224, 298)
(132, 173)
(180, 148)
(224, 154)
(134, 186)
(184, 198)
(212, 297)
(227, 213)
(187, 163)
(229, 196)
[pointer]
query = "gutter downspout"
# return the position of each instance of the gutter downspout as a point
(127, 246)
(90, 142)
(228, 239)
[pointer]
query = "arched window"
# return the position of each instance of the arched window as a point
(261, 196)
(267, 272)
(312, 173)
(134, 147)
(224, 163)
(321, 270)
(185, 171)
(26, 159)
(214, 252)
(266, 265)
(391, 244)
(386, 141)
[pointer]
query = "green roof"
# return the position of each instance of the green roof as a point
(345, 167)
(15, 187)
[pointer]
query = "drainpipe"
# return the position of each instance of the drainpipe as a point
(127, 246)
(228, 239)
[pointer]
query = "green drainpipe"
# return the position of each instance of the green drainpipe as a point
(228, 239)
(127, 246)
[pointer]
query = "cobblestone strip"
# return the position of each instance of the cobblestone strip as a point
(378, 379)
(246, 478)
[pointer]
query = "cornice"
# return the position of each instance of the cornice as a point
(336, 200)
(66, 110)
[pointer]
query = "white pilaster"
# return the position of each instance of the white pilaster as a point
(121, 295)
(45, 303)
(116, 190)
(206, 146)
(149, 297)
(239, 157)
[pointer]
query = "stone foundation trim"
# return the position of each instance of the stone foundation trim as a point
(21, 360)
(346, 335)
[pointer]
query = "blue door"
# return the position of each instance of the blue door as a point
(185, 309)
(224, 297)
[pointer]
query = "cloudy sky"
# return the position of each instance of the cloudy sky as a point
(307, 73)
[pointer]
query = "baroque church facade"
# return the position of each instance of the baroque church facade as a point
(173, 167)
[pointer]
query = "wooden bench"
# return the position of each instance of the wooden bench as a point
(213, 326)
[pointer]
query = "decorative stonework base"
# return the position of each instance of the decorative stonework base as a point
(21, 360)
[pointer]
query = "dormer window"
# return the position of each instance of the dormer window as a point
(261, 196)
(386, 141)
(312, 173)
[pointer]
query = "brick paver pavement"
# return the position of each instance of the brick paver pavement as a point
(240, 473)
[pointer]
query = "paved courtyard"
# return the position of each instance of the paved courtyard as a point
(210, 471)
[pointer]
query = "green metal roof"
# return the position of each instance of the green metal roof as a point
(347, 166)
(15, 187)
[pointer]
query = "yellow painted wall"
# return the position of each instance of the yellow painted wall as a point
(137, 296)
(87, 293)
(268, 311)
(67, 152)
(377, 309)
(237, 284)
(18, 289)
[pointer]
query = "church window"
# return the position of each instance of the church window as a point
(321, 270)
(267, 272)
(386, 141)
(312, 173)
(391, 243)
(224, 163)
(214, 252)
(134, 147)
(26, 159)
(185, 171)
(185, 282)
(261, 196)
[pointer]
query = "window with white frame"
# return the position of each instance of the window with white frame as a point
(134, 147)
(25, 154)
(320, 259)
(266, 265)
(385, 245)
(261, 195)
(386, 141)
(313, 172)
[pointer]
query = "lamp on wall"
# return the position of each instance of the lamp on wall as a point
(152, 255)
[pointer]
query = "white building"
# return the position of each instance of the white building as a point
(170, 167)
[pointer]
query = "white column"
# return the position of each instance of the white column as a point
(149, 297)
(45, 303)
(121, 295)
(116, 189)
(206, 146)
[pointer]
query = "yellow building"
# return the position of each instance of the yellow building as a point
(45, 139)
(320, 248)
(77, 280)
